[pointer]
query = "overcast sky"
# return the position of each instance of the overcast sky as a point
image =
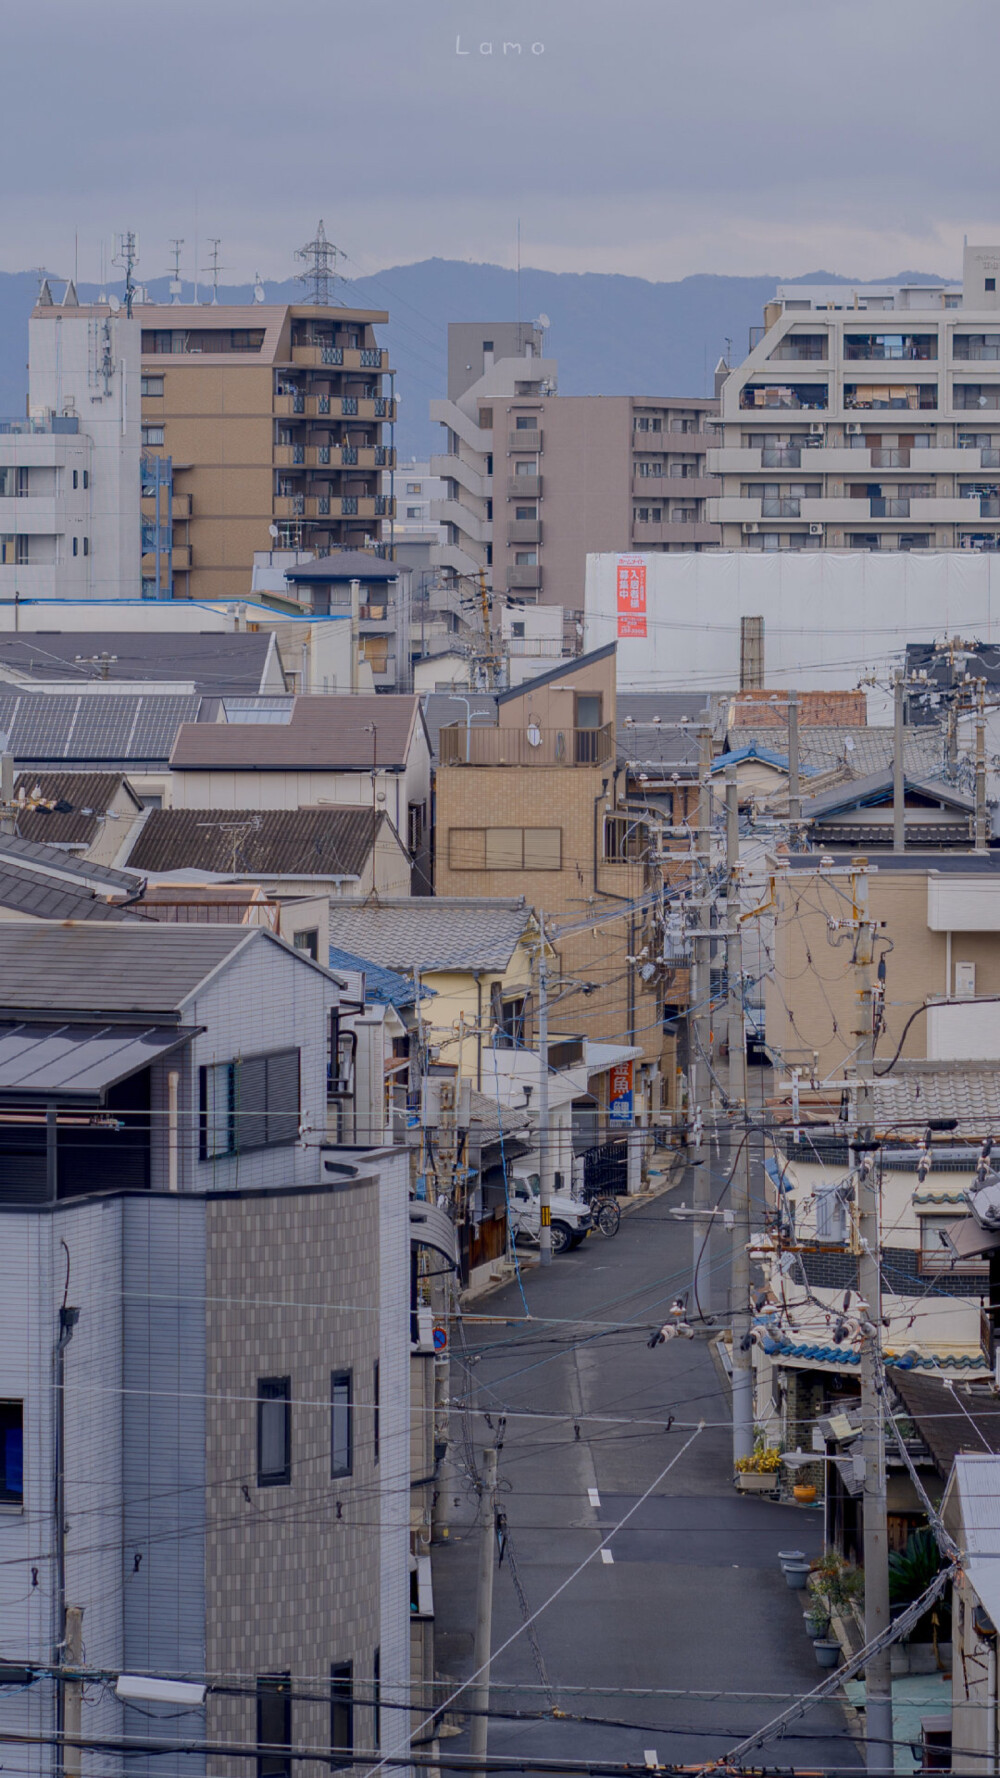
(640, 136)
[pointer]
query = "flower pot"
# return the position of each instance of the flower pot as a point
(791, 1556)
(814, 1631)
(751, 1481)
(804, 1492)
(826, 1651)
(796, 1575)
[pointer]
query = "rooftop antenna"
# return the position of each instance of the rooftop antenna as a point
(320, 259)
(176, 286)
(259, 293)
(215, 268)
(127, 257)
(104, 275)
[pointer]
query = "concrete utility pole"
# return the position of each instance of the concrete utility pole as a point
(479, 1700)
(982, 814)
(794, 790)
(878, 1683)
(544, 1145)
(355, 634)
(8, 818)
(898, 778)
(73, 1690)
(739, 1111)
(699, 1037)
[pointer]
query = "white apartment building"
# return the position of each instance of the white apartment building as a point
(416, 488)
(489, 364)
(867, 417)
(70, 470)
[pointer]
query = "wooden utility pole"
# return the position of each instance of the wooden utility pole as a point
(898, 774)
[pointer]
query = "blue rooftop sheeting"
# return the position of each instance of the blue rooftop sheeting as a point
(385, 986)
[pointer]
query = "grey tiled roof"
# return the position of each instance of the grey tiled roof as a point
(916, 1091)
(431, 932)
(91, 794)
(43, 897)
(112, 967)
(15, 850)
(863, 751)
(227, 661)
(326, 733)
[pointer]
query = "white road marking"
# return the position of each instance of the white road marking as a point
(606, 1556)
(595, 1498)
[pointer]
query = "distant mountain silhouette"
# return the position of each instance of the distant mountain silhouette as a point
(611, 335)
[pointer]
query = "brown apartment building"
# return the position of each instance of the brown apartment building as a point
(536, 806)
(534, 480)
(274, 417)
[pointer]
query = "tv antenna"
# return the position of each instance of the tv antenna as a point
(175, 282)
(127, 257)
(215, 241)
(320, 259)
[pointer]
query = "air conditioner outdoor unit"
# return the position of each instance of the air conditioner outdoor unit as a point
(853, 429)
(750, 529)
(815, 530)
(816, 429)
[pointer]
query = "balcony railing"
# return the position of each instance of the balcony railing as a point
(779, 509)
(524, 440)
(322, 404)
(524, 487)
(762, 397)
(989, 459)
(890, 509)
(965, 351)
(891, 459)
(349, 506)
(891, 349)
(530, 746)
(371, 358)
(989, 508)
(348, 404)
(780, 457)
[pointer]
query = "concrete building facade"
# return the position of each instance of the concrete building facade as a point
(70, 469)
(274, 417)
(867, 418)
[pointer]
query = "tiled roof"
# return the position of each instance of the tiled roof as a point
(223, 661)
(383, 986)
(15, 850)
(948, 1425)
(431, 932)
(856, 792)
(917, 1091)
(311, 842)
(91, 794)
(30, 892)
(492, 1117)
(895, 1361)
(130, 966)
(862, 750)
(326, 733)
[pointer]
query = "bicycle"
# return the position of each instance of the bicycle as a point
(605, 1215)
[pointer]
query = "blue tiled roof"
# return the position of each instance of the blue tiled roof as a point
(904, 1361)
(382, 985)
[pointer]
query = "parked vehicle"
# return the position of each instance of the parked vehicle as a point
(571, 1219)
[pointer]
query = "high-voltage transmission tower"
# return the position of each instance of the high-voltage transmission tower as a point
(320, 259)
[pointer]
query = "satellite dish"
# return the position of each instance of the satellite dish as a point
(272, 530)
(113, 304)
(534, 734)
(258, 289)
(543, 322)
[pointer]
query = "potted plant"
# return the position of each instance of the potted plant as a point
(827, 1651)
(759, 1474)
(804, 1493)
(817, 1619)
(911, 1572)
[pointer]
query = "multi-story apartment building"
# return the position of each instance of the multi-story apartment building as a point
(274, 417)
(551, 477)
(70, 469)
(868, 418)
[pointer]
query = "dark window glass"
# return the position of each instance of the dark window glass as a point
(377, 1699)
(341, 1713)
(341, 1427)
(12, 1453)
(274, 1431)
(274, 1725)
(376, 1414)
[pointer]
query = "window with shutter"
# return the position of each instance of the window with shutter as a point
(282, 1097)
(251, 1103)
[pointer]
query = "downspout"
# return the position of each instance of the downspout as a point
(68, 1319)
(173, 1084)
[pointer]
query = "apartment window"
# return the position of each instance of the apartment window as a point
(991, 283)
(683, 515)
(648, 515)
(76, 478)
(308, 941)
(274, 1432)
(251, 1102)
(376, 1414)
(508, 1017)
(152, 435)
(274, 1725)
(413, 512)
(151, 386)
(11, 1453)
(86, 546)
(526, 423)
(413, 487)
(525, 469)
(517, 632)
(487, 345)
(624, 839)
(526, 512)
(650, 468)
(342, 1713)
(377, 1699)
(76, 546)
(341, 1423)
(505, 848)
(936, 1255)
(526, 558)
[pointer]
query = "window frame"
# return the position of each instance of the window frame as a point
(269, 1390)
(11, 1423)
(242, 1137)
(376, 1412)
(455, 864)
(934, 1260)
(338, 1380)
(341, 1701)
(274, 1688)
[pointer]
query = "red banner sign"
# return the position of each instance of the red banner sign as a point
(631, 596)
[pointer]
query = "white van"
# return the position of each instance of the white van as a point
(570, 1215)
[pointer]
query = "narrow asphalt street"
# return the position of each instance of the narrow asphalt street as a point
(688, 1637)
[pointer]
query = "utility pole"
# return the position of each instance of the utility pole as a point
(699, 1037)
(898, 779)
(73, 1691)
(355, 633)
(982, 835)
(480, 1690)
(794, 791)
(544, 1146)
(8, 817)
(739, 1109)
(878, 1683)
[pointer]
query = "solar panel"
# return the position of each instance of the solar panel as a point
(93, 727)
(262, 709)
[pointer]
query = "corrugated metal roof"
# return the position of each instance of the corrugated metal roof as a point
(312, 842)
(326, 733)
(78, 1061)
(973, 1498)
(102, 728)
(431, 932)
(213, 661)
(91, 794)
(134, 967)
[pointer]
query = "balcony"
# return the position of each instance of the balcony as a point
(807, 349)
(524, 579)
(288, 456)
(779, 509)
(781, 457)
(882, 508)
(523, 487)
(891, 346)
(895, 397)
(341, 357)
(686, 532)
(777, 397)
(530, 746)
(530, 442)
(524, 531)
(971, 396)
(286, 406)
(973, 348)
(890, 459)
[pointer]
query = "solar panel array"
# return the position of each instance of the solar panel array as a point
(99, 727)
(258, 709)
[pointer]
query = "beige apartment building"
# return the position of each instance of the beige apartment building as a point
(274, 418)
(536, 480)
(867, 417)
